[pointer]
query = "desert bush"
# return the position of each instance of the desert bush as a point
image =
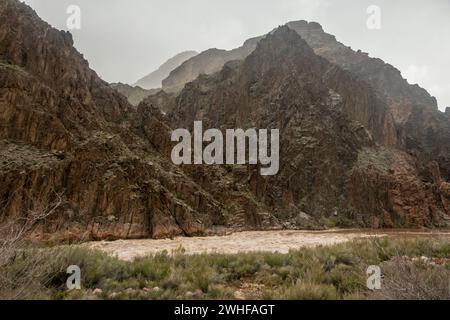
(24, 270)
(308, 291)
(417, 279)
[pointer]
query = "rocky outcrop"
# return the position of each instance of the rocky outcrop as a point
(154, 79)
(398, 189)
(163, 100)
(134, 95)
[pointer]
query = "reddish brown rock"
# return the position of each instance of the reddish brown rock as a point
(389, 184)
(66, 135)
(329, 120)
(402, 115)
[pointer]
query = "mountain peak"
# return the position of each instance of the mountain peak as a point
(285, 36)
(303, 24)
(283, 48)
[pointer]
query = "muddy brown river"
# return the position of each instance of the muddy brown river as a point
(274, 241)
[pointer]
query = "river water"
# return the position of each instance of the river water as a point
(274, 241)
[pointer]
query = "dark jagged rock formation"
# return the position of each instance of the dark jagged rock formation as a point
(331, 124)
(154, 79)
(413, 122)
(64, 133)
(421, 128)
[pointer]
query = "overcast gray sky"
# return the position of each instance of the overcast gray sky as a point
(124, 40)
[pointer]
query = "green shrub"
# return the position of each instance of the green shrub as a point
(323, 272)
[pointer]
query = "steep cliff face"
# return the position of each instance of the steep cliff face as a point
(412, 121)
(398, 189)
(326, 118)
(66, 136)
(420, 127)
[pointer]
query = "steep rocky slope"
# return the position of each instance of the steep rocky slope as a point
(330, 125)
(420, 127)
(415, 124)
(66, 137)
(154, 79)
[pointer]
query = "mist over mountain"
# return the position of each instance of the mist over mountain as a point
(207, 62)
(154, 79)
(134, 94)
